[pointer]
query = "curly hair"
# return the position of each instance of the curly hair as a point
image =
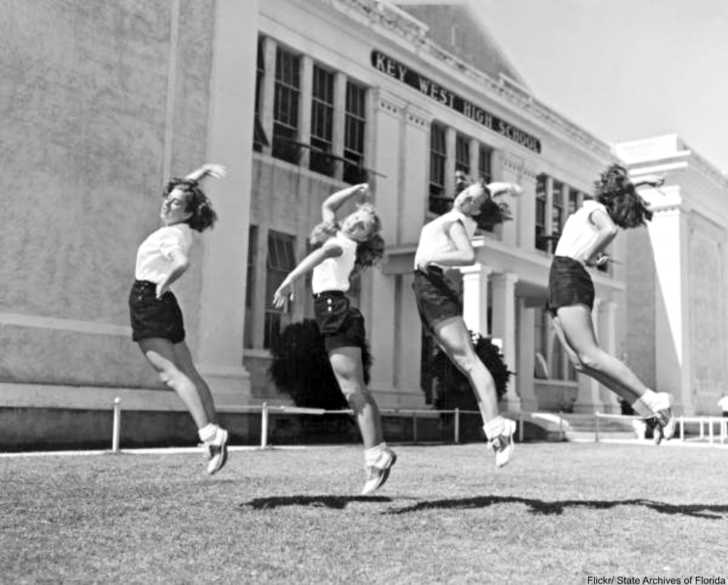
(617, 193)
(203, 215)
(368, 252)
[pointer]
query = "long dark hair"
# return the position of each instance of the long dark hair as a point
(617, 193)
(203, 215)
(491, 212)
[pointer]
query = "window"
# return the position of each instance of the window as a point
(439, 202)
(484, 158)
(258, 136)
(322, 121)
(250, 285)
(285, 106)
(280, 261)
(462, 154)
(557, 212)
(541, 242)
(354, 127)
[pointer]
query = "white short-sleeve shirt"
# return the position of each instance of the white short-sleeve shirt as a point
(579, 232)
(334, 273)
(435, 236)
(154, 255)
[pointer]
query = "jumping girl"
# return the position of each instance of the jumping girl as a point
(345, 249)
(156, 318)
(586, 234)
(446, 242)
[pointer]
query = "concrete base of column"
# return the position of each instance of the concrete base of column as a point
(510, 403)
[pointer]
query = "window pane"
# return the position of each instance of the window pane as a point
(438, 203)
(462, 154)
(285, 106)
(540, 242)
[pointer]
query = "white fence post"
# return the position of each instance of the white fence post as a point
(457, 425)
(264, 426)
(596, 426)
(116, 429)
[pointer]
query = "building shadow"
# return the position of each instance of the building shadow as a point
(706, 511)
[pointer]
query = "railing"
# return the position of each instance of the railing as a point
(706, 424)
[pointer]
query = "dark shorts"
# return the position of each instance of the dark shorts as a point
(569, 284)
(436, 297)
(341, 324)
(152, 317)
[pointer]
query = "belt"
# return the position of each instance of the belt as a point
(329, 293)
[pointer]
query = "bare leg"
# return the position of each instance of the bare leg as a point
(576, 330)
(598, 376)
(454, 339)
(161, 354)
(184, 361)
(349, 371)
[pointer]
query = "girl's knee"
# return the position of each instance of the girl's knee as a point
(591, 360)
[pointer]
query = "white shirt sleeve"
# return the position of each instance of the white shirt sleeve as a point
(173, 240)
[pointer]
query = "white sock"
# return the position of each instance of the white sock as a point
(208, 432)
(495, 427)
(371, 454)
(646, 405)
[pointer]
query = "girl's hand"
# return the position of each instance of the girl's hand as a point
(215, 171)
(161, 289)
(363, 189)
(600, 260)
(515, 190)
(282, 296)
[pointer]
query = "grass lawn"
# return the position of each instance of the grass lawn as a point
(557, 514)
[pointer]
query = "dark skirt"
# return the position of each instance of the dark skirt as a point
(569, 284)
(437, 299)
(153, 317)
(340, 324)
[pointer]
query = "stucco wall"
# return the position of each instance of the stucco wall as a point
(85, 142)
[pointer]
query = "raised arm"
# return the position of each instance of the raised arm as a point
(500, 188)
(285, 291)
(206, 170)
(336, 200)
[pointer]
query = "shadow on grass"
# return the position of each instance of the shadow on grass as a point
(334, 502)
(708, 511)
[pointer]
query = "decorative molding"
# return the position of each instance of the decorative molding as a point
(416, 117)
(77, 326)
(397, 21)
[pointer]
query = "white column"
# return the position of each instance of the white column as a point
(474, 149)
(475, 297)
(526, 357)
(504, 328)
(608, 340)
(229, 142)
(450, 162)
(304, 108)
(267, 94)
(587, 397)
(673, 375)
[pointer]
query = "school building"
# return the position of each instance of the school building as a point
(299, 98)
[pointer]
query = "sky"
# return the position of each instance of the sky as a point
(624, 69)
